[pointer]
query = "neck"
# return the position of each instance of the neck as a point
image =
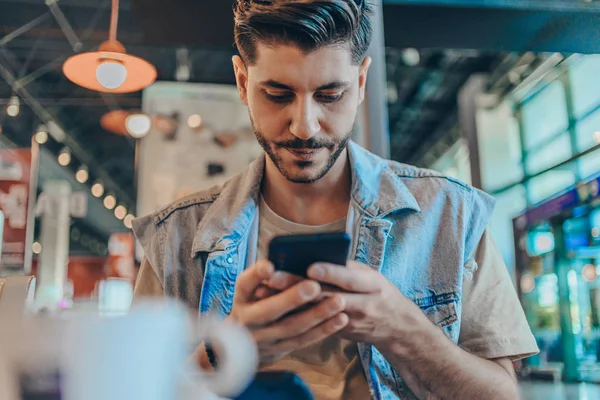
(318, 203)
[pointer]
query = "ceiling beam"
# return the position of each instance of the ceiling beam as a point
(544, 5)
(124, 5)
(492, 29)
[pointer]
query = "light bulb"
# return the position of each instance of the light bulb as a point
(36, 248)
(120, 212)
(527, 283)
(411, 57)
(194, 121)
(82, 175)
(597, 137)
(41, 137)
(110, 202)
(64, 158)
(14, 106)
(97, 190)
(128, 221)
(589, 273)
(138, 125)
(111, 74)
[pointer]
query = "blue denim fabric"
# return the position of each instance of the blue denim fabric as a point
(417, 227)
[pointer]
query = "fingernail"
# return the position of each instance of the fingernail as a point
(308, 290)
(266, 269)
(340, 321)
(277, 280)
(317, 271)
(337, 303)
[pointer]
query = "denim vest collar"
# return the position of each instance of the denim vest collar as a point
(376, 192)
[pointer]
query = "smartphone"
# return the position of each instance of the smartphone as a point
(296, 253)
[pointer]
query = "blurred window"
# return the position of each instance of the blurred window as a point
(585, 85)
(544, 116)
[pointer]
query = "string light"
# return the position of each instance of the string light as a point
(64, 158)
(120, 212)
(82, 175)
(36, 248)
(128, 221)
(14, 106)
(110, 202)
(97, 190)
(42, 134)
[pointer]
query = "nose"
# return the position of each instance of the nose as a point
(305, 118)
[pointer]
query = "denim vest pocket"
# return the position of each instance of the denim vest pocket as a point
(441, 310)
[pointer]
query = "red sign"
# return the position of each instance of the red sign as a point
(15, 185)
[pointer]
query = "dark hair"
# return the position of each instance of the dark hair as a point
(308, 24)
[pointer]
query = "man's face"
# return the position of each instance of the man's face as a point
(302, 106)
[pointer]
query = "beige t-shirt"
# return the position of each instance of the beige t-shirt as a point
(331, 368)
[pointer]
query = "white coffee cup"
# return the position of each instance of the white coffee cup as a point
(144, 355)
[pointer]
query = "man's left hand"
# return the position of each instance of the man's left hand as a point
(379, 313)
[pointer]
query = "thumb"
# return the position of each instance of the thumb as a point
(251, 279)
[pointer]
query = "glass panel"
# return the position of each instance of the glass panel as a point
(584, 294)
(585, 84)
(585, 131)
(499, 142)
(549, 183)
(508, 205)
(455, 162)
(544, 116)
(589, 165)
(539, 285)
(557, 151)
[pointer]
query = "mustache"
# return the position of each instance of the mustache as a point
(311, 143)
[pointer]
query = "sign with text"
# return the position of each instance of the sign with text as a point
(15, 185)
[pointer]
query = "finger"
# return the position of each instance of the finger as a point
(330, 290)
(300, 323)
(271, 309)
(250, 280)
(263, 292)
(358, 280)
(315, 335)
(282, 280)
(355, 303)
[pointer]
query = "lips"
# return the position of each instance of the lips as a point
(304, 154)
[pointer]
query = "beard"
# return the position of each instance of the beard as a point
(335, 147)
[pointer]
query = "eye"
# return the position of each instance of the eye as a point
(279, 98)
(329, 98)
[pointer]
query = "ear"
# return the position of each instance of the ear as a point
(241, 77)
(362, 78)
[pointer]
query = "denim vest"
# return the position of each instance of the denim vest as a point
(417, 227)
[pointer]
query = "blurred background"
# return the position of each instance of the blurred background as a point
(502, 94)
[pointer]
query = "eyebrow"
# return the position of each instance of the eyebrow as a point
(331, 85)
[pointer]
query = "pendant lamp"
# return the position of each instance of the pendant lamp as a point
(110, 69)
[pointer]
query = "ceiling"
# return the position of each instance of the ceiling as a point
(455, 39)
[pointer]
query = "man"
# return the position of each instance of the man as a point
(425, 308)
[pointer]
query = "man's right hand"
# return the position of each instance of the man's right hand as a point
(275, 327)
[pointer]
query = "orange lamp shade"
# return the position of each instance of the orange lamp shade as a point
(82, 69)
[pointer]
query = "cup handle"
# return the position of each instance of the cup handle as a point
(237, 358)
